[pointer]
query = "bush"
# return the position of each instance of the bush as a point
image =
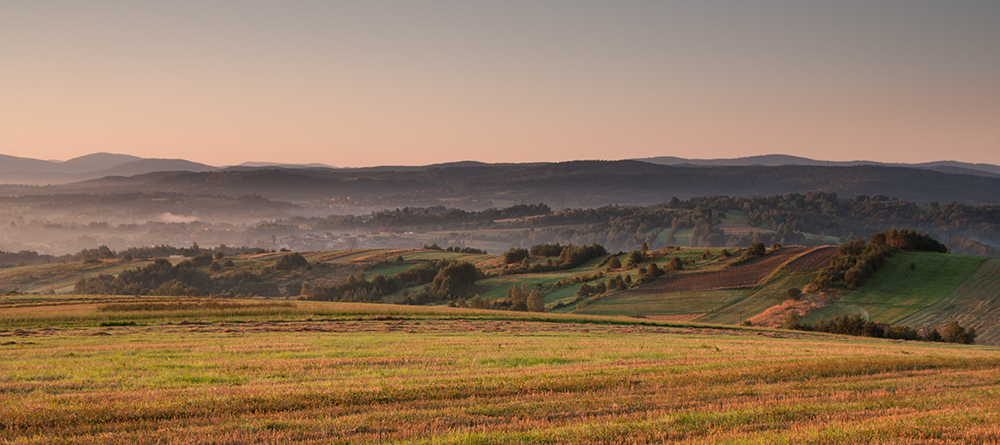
(675, 263)
(954, 333)
(795, 293)
(290, 261)
(634, 259)
(756, 249)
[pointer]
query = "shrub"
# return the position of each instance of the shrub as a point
(675, 263)
(954, 333)
(634, 259)
(795, 293)
(290, 261)
(756, 249)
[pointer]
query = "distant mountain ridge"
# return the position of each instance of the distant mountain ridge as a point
(19, 170)
(560, 185)
(476, 184)
(16, 170)
(776, 160)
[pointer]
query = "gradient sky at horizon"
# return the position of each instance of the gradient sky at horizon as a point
(355, 83)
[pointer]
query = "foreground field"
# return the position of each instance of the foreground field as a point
(255, 372)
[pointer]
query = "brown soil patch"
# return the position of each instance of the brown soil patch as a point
(818, 258)
(744, 275)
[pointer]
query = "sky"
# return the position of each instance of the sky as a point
(357, 83)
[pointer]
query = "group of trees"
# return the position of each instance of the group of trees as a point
(445, 279)
(857, 326)
(354, 289)
(159, 278)
(517, 260)
(190, 277)
(100, 253)
(452, 279)
(519, 298)
(857, 260)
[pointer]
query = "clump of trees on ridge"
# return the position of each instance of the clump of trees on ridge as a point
(857, 260)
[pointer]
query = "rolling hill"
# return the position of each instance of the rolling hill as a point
(919, 290)
(561, 185)
(775, 160)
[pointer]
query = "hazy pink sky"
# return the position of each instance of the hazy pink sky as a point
(352, 83)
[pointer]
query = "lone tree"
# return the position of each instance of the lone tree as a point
(676, 263)
(634, 259)
(756, 249)
(791, 320)
(794, 293)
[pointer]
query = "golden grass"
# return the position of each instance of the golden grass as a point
(385, 374)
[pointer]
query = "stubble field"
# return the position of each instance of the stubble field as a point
(337, 373)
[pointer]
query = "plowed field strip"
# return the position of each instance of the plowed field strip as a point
(817, 259)
(745, 275)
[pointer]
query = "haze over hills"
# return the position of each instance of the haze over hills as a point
(15, 170)
(475, 185)
(775, 160)
(560, 185)
(20, 170)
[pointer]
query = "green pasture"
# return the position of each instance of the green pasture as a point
(975, 303)
(896, 292)
(389, 269)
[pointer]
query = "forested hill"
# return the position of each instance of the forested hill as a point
(566, 184)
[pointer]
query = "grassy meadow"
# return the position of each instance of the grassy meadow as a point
(937, 289)
(83, 369)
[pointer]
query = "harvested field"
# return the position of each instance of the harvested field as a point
(402, 325)
(818, 258)
(413, 378)
(745, 275)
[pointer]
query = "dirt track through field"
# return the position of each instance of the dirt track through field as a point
(744, 275)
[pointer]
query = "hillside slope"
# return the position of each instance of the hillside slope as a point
(928, 289)
(919, 290)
